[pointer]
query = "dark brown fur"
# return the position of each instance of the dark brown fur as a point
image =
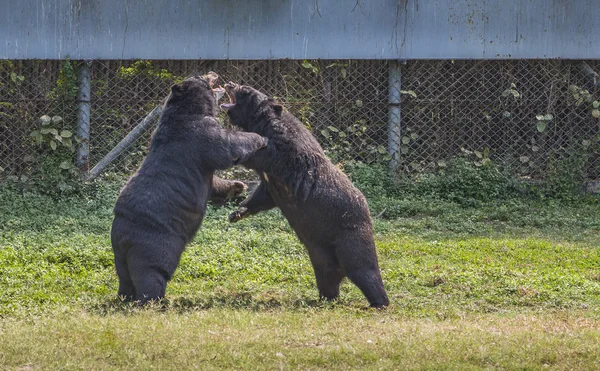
(329, 215)
(161, 207)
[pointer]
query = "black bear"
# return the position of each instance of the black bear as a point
(329, 215)
(161, 207)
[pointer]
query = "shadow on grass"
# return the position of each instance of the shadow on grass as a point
(233, 301)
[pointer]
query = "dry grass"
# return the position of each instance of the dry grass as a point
(305, 339)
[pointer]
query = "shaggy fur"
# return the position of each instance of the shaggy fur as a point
(329, 215)
(161, 207)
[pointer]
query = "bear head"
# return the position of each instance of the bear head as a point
(196, 95)
(247, 104)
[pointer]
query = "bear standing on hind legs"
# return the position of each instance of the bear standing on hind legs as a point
(329, 215)
(161, 207)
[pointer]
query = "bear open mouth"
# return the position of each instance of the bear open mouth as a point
(230, 88)
(212, 77)
(218, 93)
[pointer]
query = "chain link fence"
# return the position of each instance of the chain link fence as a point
(524, 114)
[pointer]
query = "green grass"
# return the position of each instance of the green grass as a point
(511, 284)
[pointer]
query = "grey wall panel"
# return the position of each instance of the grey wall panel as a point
(274, 29)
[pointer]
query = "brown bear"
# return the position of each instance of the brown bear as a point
(161, 207)
(329, 215)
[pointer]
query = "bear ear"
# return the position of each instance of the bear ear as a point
(278, 109)
(177, 90)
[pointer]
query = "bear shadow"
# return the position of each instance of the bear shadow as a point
(231, 301)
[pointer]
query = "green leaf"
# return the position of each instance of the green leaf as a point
(441, 163)
(45, 120)
(535, 148)
(404, 149)
(524, 159)
(53, 131)
(478, 154)
(585, 143)
(53, 145)
(486, 152)
(45, 131)
(66, 134)
(333, 128)
(414, 136)
(595, 104)
(541, 126)
(307, 64)
(325, 133)
(34, 133)
(56, 119)
(343, 71)
(596, 113)
(548, 117)
(405, 140)
(358, 103)
(381, 150)
(65, 165)
(409, 92)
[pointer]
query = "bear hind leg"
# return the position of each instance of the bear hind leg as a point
(328, 273)
(150, 284)
(358, 259)
(126, 286)
(151, 267)
(328, 282)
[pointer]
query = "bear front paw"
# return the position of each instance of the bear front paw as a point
(236, 216)
(238, 188)
(265, 142)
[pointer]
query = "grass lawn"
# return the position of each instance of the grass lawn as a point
(508, 285)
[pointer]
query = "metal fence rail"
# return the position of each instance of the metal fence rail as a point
(523, 114)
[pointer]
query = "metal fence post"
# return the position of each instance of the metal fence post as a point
(83, 116)
(394, 126)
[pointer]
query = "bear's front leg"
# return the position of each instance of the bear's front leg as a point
(259, 200)
(242, 146)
